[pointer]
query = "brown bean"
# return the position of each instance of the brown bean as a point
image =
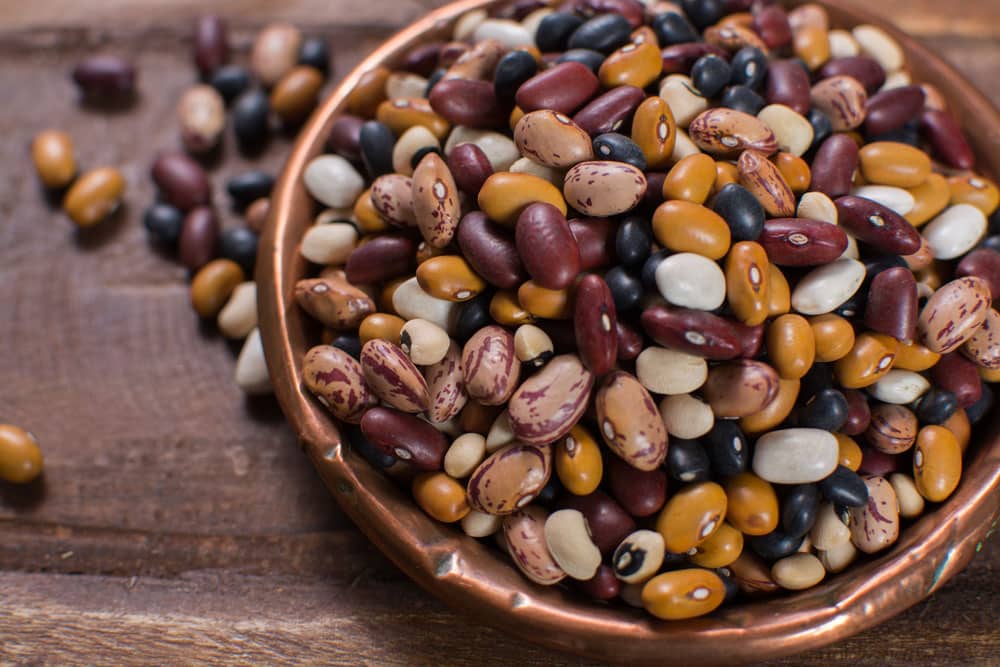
(641, 492)
(564, 88)
(470, 167)
(477, 62)
(296, 93)
(549, 403)
(547, 247)
(94, 196)
(595, 323)
(609, 524)
(595, 238)
(446, 386)
(834, 166)
(393, 377)
(892, 304)
(724, 131)
(381, 258)
(510, 478)
(467, 102)
(740, 388)
(337, 381)
(333, 301)
(892, 109)
(862, 68)
(406, 437)
(20, 456)
(489, 366)
(765, 182)
(52, 153)
(213, 284)
(201, 114)
(802, 242)
(788, 84)
(199, 238)
(182, 181)
(696, 332)
(947, 138)
(630, 422)
(877, 225)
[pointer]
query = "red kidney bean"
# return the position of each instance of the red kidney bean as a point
(640, 492)
(875, 462)
(211, 44)
(381, 258)
(892, 109)
(451, 52)
(603, 586)
(199, 238)
(103, 77)
(423, 59)
(630, 341)
(490, 251)
(595, 324)
(470, 167)
(609, 524)
(834, 165)
(771, 23)
(866, 70)
(751, 339)
(610, 111)
(406, 437)
(546, 246)
(468, 102)
(947, 139)
(563, 88)
(596, 239)
(960, 376)
(982, 263)
(696, 332)
(654, 188)
(520, 9)
(880, 227)
(788, 83)
(633, 10)
(892, 304)
(182, 182)
(345, 137)
(859, 414)
(680, 58)
(802, 242)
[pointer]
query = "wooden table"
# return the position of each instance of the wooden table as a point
(177, 520)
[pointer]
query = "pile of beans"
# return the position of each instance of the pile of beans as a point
(680, 302)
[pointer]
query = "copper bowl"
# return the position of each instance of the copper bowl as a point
(481, 582)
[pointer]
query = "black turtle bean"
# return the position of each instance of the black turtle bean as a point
(633, 242)
(230, 81)
(472, 316)
(704, 13)
(625, 288)
(822, 127)
(710, 74)
(586, 57)
(163, 222)
(741, 211)
(673, 28)
(251, 119)
(980, 408)
(604, 33)
(421, 153)
(775, 545)
(844, 487)
(687, 461)
(799, 509)
(240, 245)
(727, 448)
(749, 67)
(937, 406)
(554, 31)
(349, 343)
(619, 148)
(370, 452)
(742, 98)
(248, 187)
(826, 410)
(377, 141)
(729, 582)
(435, 76)
(514, 68)
(648, 273)
(315, 52)
(818, 378)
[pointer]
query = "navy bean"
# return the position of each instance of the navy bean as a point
(749, 67)
(249, 186)
(799, 509)
(604, 33)
(619, 148)
(554, 31)
(742, 99)
(586, 57)
(163, 222)
(710, 74)
(230, 81)
(775, 545)
(687, 461)
(251, 119)
(727, 448)
(315, 52)
(633, 241)
(844, 487)
(514, 68)
(349, 343)
(240, 245)
(672, 28)
(742, 212)
(826, 410)
(625, 288)
(377, 142)
(936, 406)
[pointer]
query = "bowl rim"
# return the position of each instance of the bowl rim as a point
(469, 577)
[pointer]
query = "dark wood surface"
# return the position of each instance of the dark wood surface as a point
(177, 520)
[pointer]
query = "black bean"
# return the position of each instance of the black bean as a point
(877, 265)
(853, 307)
(994, 227)
(816, 379)
(937, 406)
(908, 134)
(619, 148)
(775, 545)
(367, 450)
(749, 67)
(554, 31)
(251, 119)
(648, 273)
(704, 13)
(991, 242)
(633, 241)
(163, 222)
(604, 33)
(625, 288)
(315, 52)
(727, 448)
(672, 28)
(377, 141)
(687, 461)
(822, 127)
(473, 315)
(435, 76)
(348, 343)
(230, 81)
(587, 57)
(742, 99)
(826, 410)
(421, 153)
(980, 408)
(710, 74)
(844, 487)
(240, 245)
(741, 211)
(249, 187)
(547, 496)
(514, 68)
(799, 509)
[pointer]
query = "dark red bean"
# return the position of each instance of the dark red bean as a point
(451, 52)
(521, 8)
(859, 414)
(423, 59)
(892, 304)
(751, 339)
(105, 77)
(960, 376)
(654, 188)
(546, 246)
(982, 263)
(640, 492)
(877, 225)
(788, 83)
(947, 139)
(892, 109)
(604, 586)
(595, 238)
(834, 166)
(406, 437)
(630, 341)
(563, 88)
(490, 251)
(470, 168)
(609, 523)
(381, 258)
(211, 44)
(680, 58)
(182, 182)
(610, 112)
(802, 242)
(875, 462)
(696, 332)
(345, 137)
(771, 23)
(866, 70)
(199, 238)
(633, 10)
(468, 102)
(595, 324)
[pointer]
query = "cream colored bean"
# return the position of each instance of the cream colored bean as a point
(900, 387)
(838, 558)
(817, 206)
(639, 556)
(680, 93)
(877, 43)
(568, 539)
(333, 181)
(480, 524)
(683, 147)
(405, 85)
(843, 44)
(464, 455)
(825, 288)
(829, 532)
(911, 503)
(499, 150)
(526, 165)
(665, 371)
(955, 231)
(501, 433)
(408, 144)
(412, 302)
(792, 130)
(466, 26)
(509, 33)
(533, 20)
(532, 345)
(686, 417)
(251, 368)
(795, 455)
(329, 244)
(798, 572)
(239, 316)
(897, 79)
(692, 281)
(425, 342)
(897, 199)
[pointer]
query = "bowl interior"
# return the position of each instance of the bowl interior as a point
(477, 580)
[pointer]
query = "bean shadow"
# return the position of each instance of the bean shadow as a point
(23, 497)
(89, 239)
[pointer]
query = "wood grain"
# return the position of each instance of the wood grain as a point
(178, 521)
